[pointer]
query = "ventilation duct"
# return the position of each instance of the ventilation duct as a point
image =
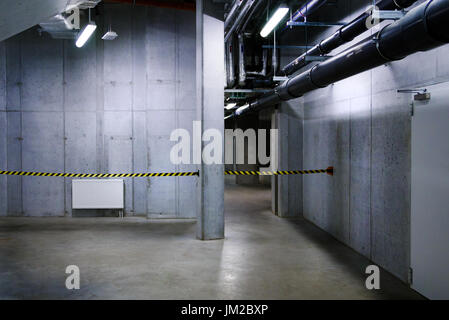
(230, 71)
(232, 13)
(238, 22)
(57, 26)
(423, 28)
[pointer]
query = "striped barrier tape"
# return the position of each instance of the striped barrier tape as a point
(100, 175)
(329, 171)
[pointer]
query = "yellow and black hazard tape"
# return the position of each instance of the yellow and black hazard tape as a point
(100, 175)
(329, 171)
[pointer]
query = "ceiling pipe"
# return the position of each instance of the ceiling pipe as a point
(310, 7)
(242, 69)
(241, 42)
(344, 35)
(162, 4)
(238, 22)
(423, 28)
(232, 13)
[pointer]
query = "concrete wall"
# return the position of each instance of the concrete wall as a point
(3, 193)
(361, 126)
(107, 107)
(288, 120)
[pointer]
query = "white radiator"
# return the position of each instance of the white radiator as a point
(98, 194)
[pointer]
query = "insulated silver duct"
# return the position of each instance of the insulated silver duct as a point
(263, 72)
(237, 23)
(230, 71)
(232, 13)
(242, 71)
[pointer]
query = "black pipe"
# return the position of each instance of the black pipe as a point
(422, 28)
(344, 35)
(310, 7)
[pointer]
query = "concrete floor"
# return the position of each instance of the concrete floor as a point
(263, 257)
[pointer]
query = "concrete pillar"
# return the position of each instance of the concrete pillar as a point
(287, 190)
(210, 100)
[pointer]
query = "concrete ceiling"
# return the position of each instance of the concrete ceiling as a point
(19, 15)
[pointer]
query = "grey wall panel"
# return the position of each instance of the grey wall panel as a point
(162, 191)
(14, 161)
(289, 188)
(327, 138)
(140, 163)
(41, 59)
(161, 122)
(80, 148)
(3, 131)
(118, 150)
(417, 69)
(118, 60)
(2, 76)
(187, 186)
(13, 73)
(3, 165)
(161, 44)
(80, 74)
(443, 63)
(43, 151)
(103, 91)
(391, 182)
(80, 131)
(186, 91)
(118, 123)
(360, 176)
(140, 58)
(295, 188)
(161, 95)
(118, 153)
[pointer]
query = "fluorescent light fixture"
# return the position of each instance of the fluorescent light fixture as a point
(110, 35)
(85, 34)
(230, 106)
(274, 21)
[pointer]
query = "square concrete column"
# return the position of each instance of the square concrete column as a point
(287, 190)
(210, 102)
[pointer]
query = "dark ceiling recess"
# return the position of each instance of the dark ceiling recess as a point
(173, 4)
(423, 28)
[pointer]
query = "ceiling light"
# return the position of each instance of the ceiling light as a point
(85, 34)
(110, 35)
(274, 21)
(230, 106)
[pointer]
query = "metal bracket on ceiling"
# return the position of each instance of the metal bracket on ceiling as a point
(317, 58)
(281, 46)
(315, 24)
(242, 94)
(280, 79)
(388, 14)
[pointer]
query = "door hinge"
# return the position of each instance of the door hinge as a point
(412, 109)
